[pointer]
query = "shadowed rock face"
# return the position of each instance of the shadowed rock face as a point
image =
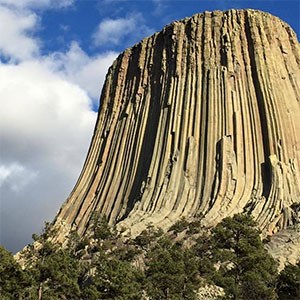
(202, 117)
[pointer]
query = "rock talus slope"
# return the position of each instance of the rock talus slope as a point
(200, 118)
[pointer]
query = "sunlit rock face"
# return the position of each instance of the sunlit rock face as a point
(200, 118)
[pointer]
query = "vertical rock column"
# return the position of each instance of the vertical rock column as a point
(202, 117)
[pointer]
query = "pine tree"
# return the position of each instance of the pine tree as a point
(55, 270)
(171, 272)
(113, 279)
(288, 285)
(246, 270)
(13, 280)
(57, 274)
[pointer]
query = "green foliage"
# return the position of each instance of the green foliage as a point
(203, 250)
(54, 271)
(231, 255)
(288, 285)
(171, 272)
(126, 252)
(13, 280)
(114, 279)
(191, 227)
(246, 270)
(57, 274)
(148, 236)
(48, 232)
(180, 225)
(194, 226)
(101, 228)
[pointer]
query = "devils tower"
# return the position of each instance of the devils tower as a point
(202, 118)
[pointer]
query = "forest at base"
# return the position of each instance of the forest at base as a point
(154, 265)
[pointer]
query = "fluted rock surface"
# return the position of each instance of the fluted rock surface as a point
(200, 118)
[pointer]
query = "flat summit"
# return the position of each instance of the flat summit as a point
(202, 118)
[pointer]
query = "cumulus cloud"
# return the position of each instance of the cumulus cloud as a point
(16, 42)
(46, 124)
(36, 104)
(37, 3)
(76, 66)
(46, 121)
(19, 23)
(16, 176)
(46, 116)
(116, 31)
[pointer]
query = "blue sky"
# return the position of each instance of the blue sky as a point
(54, 55)
(82, 20)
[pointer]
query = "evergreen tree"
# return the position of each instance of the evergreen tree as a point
(113, 279)
(55, 270)
(231, 256)
(246, 270)
(171, 272)
(13, 281)
(101, 229)
(288, 285)
(57, 274)
(148, 236)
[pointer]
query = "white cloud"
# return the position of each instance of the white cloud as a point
(4, 174)
(16, 175)
(46, 119)
(160, 6)
(37, 3)
(86, 71)
(46, 123)
(42, 115)
(116, 31)
(16, 42)
(19, 22)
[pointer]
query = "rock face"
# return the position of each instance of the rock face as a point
(200, 118)
(284, 246)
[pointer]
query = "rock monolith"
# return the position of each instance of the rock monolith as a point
(202, 118)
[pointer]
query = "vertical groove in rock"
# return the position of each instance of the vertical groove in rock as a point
(202, 117)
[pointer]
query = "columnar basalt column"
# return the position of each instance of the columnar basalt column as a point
(202, 117)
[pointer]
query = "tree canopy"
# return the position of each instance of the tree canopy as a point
(154, 265)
